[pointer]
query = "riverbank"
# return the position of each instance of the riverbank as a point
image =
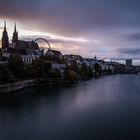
(13, 87)
(8, 88)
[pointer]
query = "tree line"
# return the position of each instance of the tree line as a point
(15, 70)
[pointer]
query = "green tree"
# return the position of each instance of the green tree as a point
(16, 65)
(90, 72)
(29, 71)
(74, 66)
(97, 68)
(84, 70)
(5, 75)
(71, 75)
(41, 69)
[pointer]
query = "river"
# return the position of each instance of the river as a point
(107, 108)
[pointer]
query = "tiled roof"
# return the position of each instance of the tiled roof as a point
(56, 52)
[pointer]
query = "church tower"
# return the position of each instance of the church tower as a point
(95, 58)
(15, 37)
(5, 39)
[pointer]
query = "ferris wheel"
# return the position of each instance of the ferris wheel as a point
(43, 44)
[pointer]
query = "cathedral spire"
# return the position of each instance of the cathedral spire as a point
(15, 29)
(15, 37)
(5, 39)
(95, 57)
(5, 25)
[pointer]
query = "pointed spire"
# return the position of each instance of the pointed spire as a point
(15, 36)
(5, 25)
(5, 39)
(95, 57)
(15, 30)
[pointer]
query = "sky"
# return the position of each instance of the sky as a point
(106, 28)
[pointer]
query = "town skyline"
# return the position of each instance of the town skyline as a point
(30, 35)
(52, 38)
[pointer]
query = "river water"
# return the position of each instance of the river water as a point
(107, 108)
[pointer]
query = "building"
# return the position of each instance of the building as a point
(17, 44)
(129, 62)
(29, 46)
(28, 50)
(53, 54)
(28, 59)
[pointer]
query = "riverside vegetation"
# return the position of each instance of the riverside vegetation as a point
(15, 70)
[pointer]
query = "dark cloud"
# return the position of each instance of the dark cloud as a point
(132, 51)
(75, 17)
(85, 18)
(130, 37)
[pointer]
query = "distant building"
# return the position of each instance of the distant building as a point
(72, 57)
(29, 46)
(129, 67)
(53, 54)
(28, 59)
(128, 62)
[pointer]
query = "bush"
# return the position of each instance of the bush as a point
(5, 75)
(16, 65)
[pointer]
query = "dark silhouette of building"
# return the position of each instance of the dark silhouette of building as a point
(128, 62)
(29, 50)
(15, 37)
(5, 39)
(54, 53)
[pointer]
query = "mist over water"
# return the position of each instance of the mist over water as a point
(104, 108)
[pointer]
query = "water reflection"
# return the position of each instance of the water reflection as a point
(104, 108)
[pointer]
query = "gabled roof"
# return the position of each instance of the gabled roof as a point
(54, 52)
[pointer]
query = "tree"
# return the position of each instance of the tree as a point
(16, 65)
(84, 70)
(90, 72)
(55, 74)
(5, 75)
(71, 75)
(41, 69)
(97, 68)
(29, 71)
(74, 66)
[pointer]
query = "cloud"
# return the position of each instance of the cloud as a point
(66, 46)
(55, 39)
(130, 36)
(132, 51)
(74, 17)
(113, 22)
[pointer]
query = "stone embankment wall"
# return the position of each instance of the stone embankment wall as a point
(16, 86)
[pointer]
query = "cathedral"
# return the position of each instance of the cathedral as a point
(17, 46)
(28, 50)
